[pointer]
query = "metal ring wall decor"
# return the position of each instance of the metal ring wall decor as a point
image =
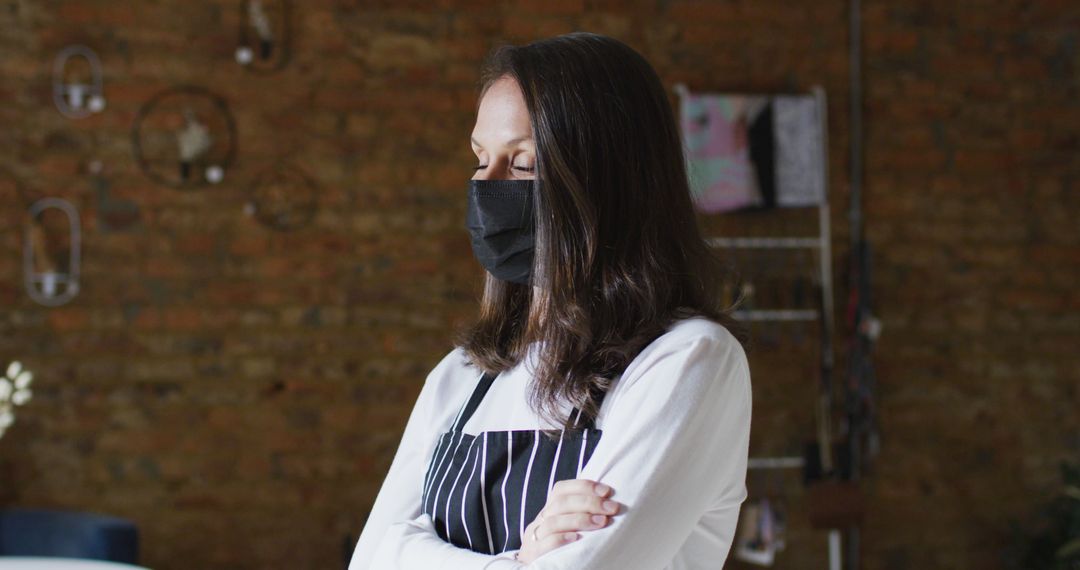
(262, 46)
(46, 283)
(78, 100)
(283, 198)
(201, 138)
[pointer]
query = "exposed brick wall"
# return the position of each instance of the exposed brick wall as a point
(240, 392)
(972, 163)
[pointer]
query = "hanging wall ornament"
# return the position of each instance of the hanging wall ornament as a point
(78, 94)
(51, 264)
(283, 198)
(264, 38)
(185, 137)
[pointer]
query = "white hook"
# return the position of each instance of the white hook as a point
(42, 286)
(78, 100)
(258, 20)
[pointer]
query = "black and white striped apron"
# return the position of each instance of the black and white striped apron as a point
(482, 490)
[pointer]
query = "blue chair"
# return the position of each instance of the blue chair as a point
(68, 534)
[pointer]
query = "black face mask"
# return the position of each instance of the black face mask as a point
(501, 225)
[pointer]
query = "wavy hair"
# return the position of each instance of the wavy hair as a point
(619, 252)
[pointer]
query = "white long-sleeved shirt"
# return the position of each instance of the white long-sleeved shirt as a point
(676, 428)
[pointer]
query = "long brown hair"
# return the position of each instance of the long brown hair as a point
(619, 253)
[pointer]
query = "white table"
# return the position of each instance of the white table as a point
(38, 563)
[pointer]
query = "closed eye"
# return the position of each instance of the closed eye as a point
(521, 168)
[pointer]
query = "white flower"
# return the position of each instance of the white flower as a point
(14, 391)
(23, 379)
(21, 397)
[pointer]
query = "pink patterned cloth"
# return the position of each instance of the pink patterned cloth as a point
(714, 128)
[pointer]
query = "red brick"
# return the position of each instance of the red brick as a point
(238, 390)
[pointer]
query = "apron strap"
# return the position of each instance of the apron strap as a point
(589, 421)
(481, 390)
(474, 401)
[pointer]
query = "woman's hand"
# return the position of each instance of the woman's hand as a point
(572, 505)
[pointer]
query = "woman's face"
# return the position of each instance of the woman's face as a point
(502, 138)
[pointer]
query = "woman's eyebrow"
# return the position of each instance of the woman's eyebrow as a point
(508, 143)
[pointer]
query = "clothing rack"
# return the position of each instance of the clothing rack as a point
(821, 243)
(824, 314)
(775, 463)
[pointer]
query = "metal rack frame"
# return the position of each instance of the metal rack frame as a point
(821, 243)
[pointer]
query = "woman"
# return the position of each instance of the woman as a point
(600, 295)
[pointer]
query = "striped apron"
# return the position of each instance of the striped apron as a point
(482, 490)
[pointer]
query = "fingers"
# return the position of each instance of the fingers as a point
(551, 532)
(581, 486)
(545, 541)
(548, 532)
(572, 522)
(577, 503)
(553, 541)
(580, 495)
(572, 505)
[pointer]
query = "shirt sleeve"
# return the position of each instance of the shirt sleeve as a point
(674, 446)
(414, 545)
(393, 536)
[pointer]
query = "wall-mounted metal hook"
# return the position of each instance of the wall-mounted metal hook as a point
(46, 283)
(270, 49)
(257, 19)
(78, 100)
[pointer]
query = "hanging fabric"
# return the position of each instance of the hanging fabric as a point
(716, 135)
(752, 152)
(799, 166)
